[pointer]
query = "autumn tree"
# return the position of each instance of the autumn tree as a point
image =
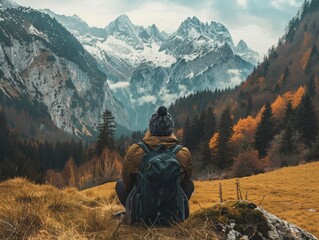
(247, 164)
(243, 133)
(265, 131)
(106, 135)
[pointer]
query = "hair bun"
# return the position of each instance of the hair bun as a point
(162, 111)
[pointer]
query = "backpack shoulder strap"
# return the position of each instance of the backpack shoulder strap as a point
(176, 148)
(144, 146)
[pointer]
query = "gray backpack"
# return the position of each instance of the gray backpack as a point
(157, 198)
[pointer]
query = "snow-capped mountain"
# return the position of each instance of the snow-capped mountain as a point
(194, 39)
(42, 63)
(146, 67)
(246, 53)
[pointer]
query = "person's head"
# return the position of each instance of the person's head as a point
(161, 123)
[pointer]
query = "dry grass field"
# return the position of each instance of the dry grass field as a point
(30, 211)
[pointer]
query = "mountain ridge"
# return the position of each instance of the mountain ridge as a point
(197, 52)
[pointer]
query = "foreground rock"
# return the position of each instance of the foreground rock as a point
(244, 220)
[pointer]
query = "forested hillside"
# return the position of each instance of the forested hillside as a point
(271, 119)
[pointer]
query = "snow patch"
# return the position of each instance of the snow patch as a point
(191, 75)
(34, 31)
(119, 49)
(153, 54)
(193, 33)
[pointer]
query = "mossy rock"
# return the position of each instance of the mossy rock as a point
(242, 216)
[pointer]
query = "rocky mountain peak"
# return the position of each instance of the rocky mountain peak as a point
(123, 29)
(194, 20)
(155, 34)
(191, 24)
(242, 45)
(8, 4)
(123, 19)
(246, 53)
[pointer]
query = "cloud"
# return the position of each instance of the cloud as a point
(169, 98)
(167, 17)
(265, 18)
(118, 85)
(146, 99)
(235, 77)
(242, 3)
(282, 3)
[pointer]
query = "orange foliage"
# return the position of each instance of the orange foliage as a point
(179, 133)
(93, 172)
(213, 141)
(69, 172)
(243, 133)
(54, 178)
(295, 97)
(278, 107)
(244, 130)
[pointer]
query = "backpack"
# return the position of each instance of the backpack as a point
(157, 197)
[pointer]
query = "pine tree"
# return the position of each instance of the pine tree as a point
(306, 120)
(209, 125)
(4, 135)
(311, 86)
(288, 145)
(224, 156)
(316, 149)
(249, 106)
(106, 135)
(265, 131)
(187, 133)
(289, 115)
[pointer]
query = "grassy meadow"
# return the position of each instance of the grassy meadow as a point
(30, 211)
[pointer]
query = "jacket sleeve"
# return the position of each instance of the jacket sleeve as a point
(185, 159)
(131, 164)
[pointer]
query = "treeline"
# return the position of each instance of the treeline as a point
(30, 158)
(196, 103)
(284, 133)
(62, 164)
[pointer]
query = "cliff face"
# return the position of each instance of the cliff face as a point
(43, 64)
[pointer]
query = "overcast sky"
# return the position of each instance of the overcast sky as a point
(258, 22)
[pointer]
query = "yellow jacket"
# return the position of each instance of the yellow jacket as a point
(134, 156)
